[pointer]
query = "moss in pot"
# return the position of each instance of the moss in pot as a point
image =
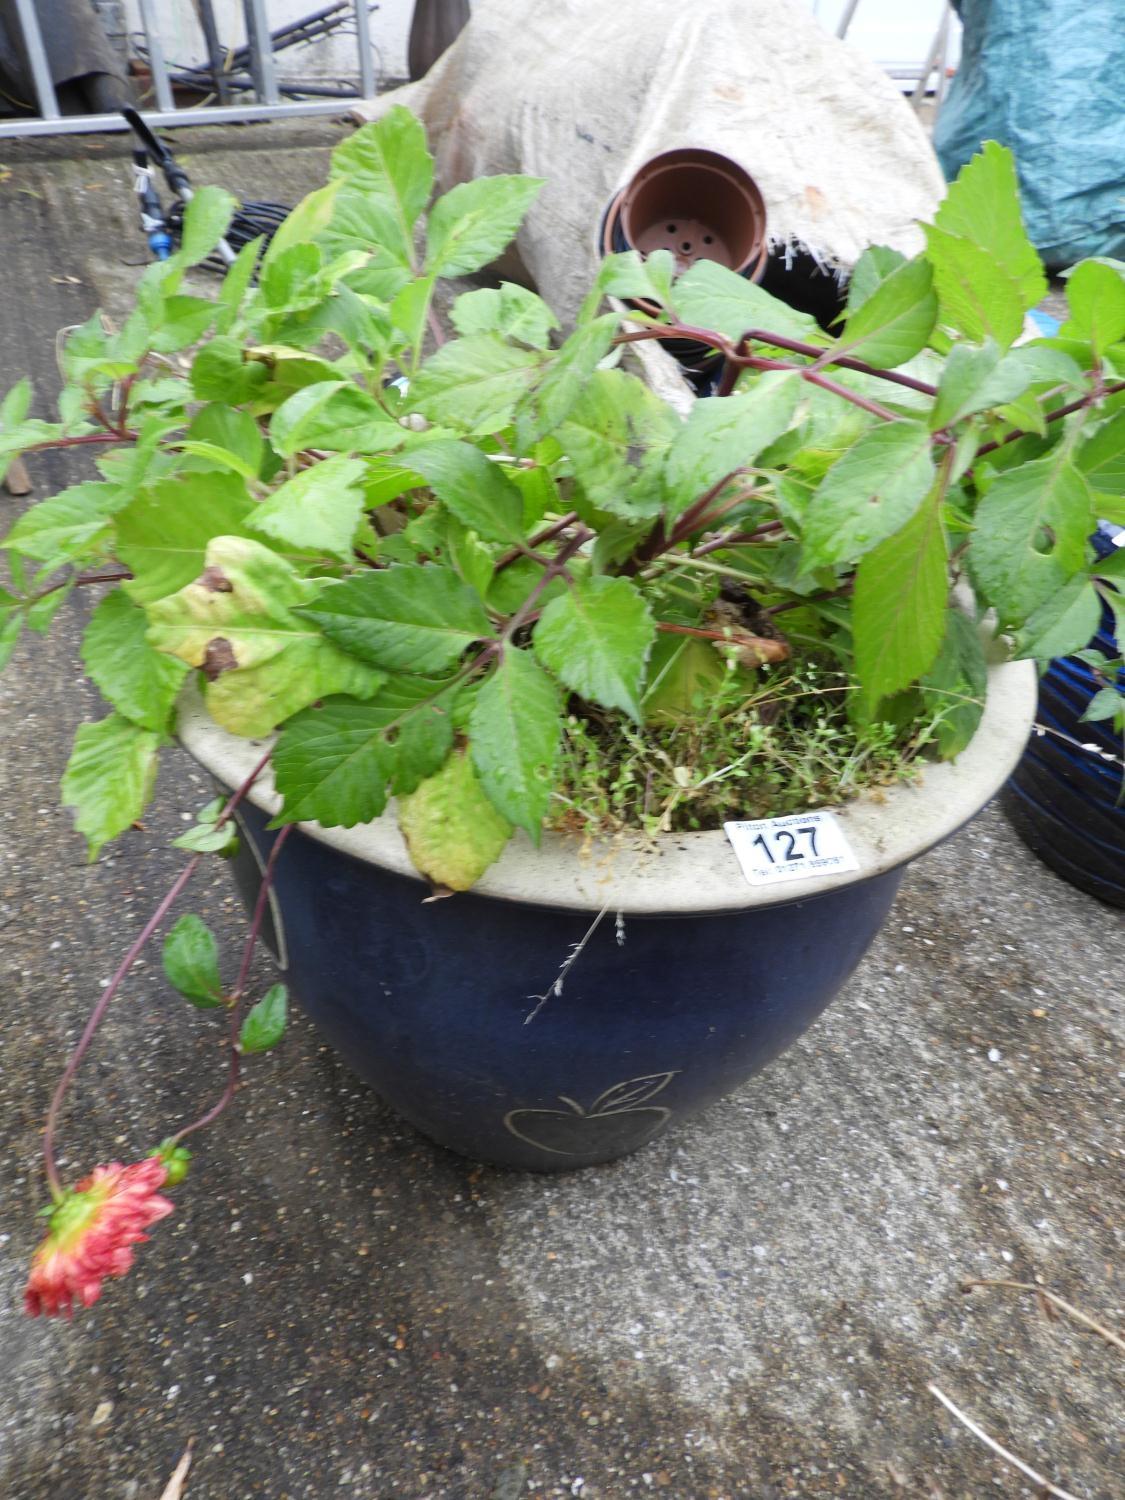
(512, 628)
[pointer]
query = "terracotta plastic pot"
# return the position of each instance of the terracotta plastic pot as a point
(698, 204)
(692, 982)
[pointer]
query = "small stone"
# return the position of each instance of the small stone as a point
(994, 1054)
(102, 1413)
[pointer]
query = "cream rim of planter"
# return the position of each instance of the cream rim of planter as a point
(682, 873)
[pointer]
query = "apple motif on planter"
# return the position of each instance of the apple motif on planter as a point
(618, 1121)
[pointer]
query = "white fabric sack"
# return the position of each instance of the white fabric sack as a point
(582, 92)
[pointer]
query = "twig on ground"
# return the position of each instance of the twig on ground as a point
(175, 1487)
(1047, 1487)
(1071, 1311)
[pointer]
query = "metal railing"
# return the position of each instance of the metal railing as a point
(268, 102)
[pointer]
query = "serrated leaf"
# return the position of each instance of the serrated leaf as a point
(1095, 293)
(336, 415)
(207, 839)
(368, 222)
(191, 962)
(868, 494)
(72, 525)
(726, 433)
(473, 561)
(514, 733)
(980, 378)
(957, 684)
(982, 207)
(871, 269)
(474, 383)
(239, 623)
(333, 763)
(163, 534)
(206, 217)
(452, 830)
(1108, 703)
(236, 283)
(220, 372)
(508, 310)
(306, 222)
(1101, 456)
(898, 614)
(1066, 622)
(596, 638)
(570, 370)
(471, 224)
(633, 277)
(1030, 537)
(977, 296)
(713, 297)
(616, 436)
(406, 618)
(894, 323)
(387, 161)
(317, 510)
(109, 778)
(139, 682)
(182, 321)
(232, 432)
(264, 1025)
(473, 488)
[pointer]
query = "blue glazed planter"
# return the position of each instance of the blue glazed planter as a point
(699, 982)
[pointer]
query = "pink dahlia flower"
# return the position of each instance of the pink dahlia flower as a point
(92, 1231)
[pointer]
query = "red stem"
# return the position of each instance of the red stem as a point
(1054, 416)
(98, 1013)
(236, 994)
(546, 535)
(83, 437)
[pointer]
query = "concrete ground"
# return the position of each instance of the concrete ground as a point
(752, 1308)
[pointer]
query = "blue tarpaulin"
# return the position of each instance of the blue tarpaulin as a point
(1047, 78)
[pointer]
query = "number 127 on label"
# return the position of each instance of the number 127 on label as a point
(788, 840)
(798, 847)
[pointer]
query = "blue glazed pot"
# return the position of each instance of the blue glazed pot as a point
(691, 981)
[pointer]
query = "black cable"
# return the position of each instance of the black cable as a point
(251, 219)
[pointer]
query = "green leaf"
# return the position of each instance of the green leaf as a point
(304, 223)
(291, 281)
(471, 224)
(139, 682)
(370, 224)
(408, 618)
(1030, 537)
(957, 684)
(332, 763)
(220, 372)
(205, 838)
(236, 283)
(977, 296)
(871, 269)
(264, 1025)
(473, 488)
(1101, 456)
(1095, 293)
(726, 433)
(898, 615)
(514, 732)
(1108, 703)
(894, 323)
(317, 510)
(387, 161)
(231, 432)
(337, 415)
(15, 405)
(71, 526)
(616, 437)
(472, 560)
(571, 369)
(1066, 622)
(163, 535)
(596, 639)
(965, 372)
(474, 383)
(452, 830)
(191, 962)
(182, 321)
(206, 218)
(508, 310)
(868, 494)
(684, 676)
(982, 208)
(240, 622)
(109, 778)
(11, 623)
(713, 297)
(632, 277)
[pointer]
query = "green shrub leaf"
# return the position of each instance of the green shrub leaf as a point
(726, 433)
(596, 639)
(868, 494)
(264, 1025)
(474, 383)
(899, 614)
(475, 221)
(616, 436)
(407, 618)
(109, 777)
(473, 488)
(514, 730)
(191, 962)
(139, 682)
(509, 310)
(317, 510)
(451, 828)
(895, 321)
(163, 534)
